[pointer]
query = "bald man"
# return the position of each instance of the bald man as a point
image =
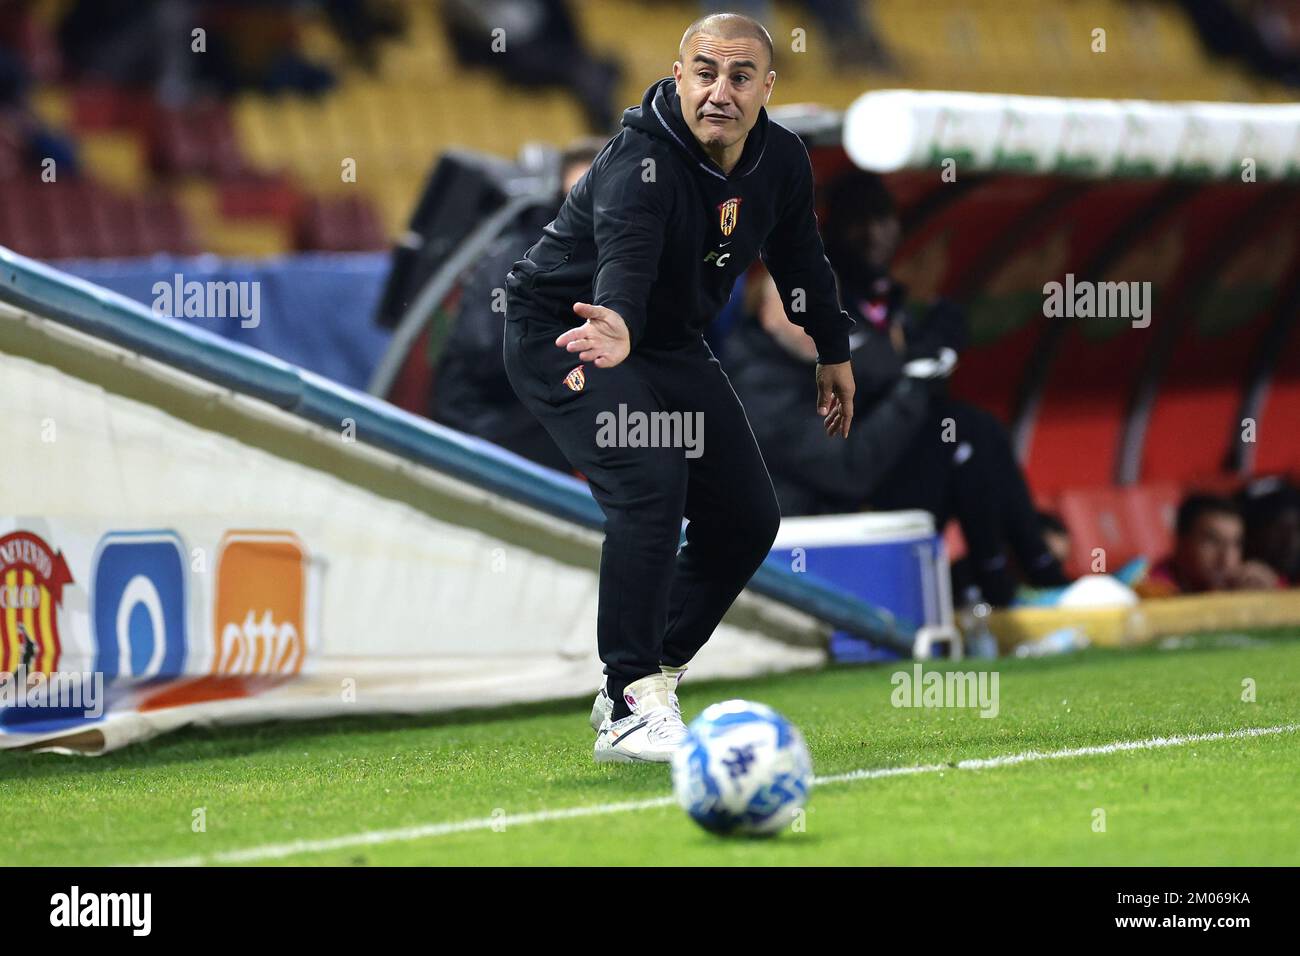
(604, 345)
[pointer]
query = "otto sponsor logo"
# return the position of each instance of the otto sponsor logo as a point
(959, 689)
(32, 578)
(1098, 300)
(260, 620)
(209, 300)
(639, 429)
(75, 908)
(65, 691)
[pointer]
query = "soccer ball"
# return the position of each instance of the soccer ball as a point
(742, 769)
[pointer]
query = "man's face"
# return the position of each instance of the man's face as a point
(722, 85)
(1208, 556)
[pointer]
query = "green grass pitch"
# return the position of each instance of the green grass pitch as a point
(280, 793)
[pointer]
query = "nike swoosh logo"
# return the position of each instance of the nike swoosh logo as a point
(635, 727)
(724, 244)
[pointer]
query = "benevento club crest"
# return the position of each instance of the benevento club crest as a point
(32, 578)
(576, 380)
(728, 213)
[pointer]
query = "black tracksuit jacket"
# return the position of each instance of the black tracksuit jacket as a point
(656, 231)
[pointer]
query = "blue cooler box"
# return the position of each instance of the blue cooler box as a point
(893, 560)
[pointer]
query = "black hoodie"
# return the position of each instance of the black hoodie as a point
(656, 231)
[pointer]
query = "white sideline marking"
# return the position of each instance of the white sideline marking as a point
(275, 851)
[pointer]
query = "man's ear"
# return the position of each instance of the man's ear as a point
(769, 83)
(677, 72)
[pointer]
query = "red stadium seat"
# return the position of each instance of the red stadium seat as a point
(347, 224)
(1277, 445)
(949, 253)
(1151, 512)
(97, 108)
(1098, 518)
(1229, 302)
(259, 195)
(1083, 409)
(81, 218)
(197, 140)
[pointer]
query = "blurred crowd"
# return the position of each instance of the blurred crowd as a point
(546, 47)
(145, 45)
(248, 44)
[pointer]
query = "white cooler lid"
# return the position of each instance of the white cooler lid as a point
(863, 527)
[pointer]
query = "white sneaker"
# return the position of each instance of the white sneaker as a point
(603, 706)
(650, 733)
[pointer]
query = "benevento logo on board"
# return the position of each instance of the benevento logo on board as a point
(32, 578)
(261, 604)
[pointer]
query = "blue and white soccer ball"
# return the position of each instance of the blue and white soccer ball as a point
(743, 769)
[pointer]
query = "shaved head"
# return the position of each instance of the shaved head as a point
(728, 26)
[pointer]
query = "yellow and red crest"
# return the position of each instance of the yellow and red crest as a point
(728, 213)
(576, 380)
(32, 578)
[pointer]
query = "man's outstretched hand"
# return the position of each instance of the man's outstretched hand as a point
(835, 397)
(603, 340)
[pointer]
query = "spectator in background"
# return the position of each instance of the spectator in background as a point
(1265, 34)
(25, 141)
(249, 44)
(541, 47)
(1208, 537)
(912, 445)
(363, 25)
(471, 391)
(1271, 512)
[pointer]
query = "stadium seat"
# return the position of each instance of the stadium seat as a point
(1237, 261)
(949, 249)
(1151, 511)
(340, 224)
(1277, 447)
(102, 107)
(1098, 518)
(252, 195)
(196, 140)
(1083, 411)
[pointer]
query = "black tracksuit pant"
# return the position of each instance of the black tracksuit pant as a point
(658, 605)
(977, 480)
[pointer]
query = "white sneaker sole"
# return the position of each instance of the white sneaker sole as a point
(617, 756)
